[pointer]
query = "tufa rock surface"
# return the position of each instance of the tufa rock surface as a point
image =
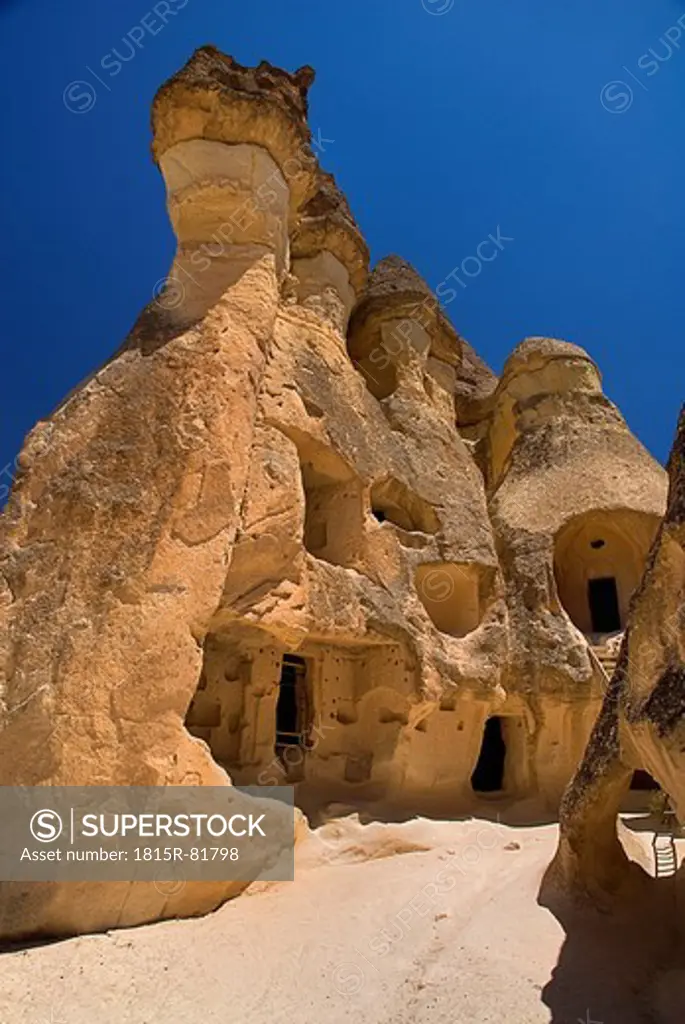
(641, 726)
(295, 531)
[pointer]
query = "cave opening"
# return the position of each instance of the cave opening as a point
(450, 592)
(604, 605)
(333, 512)
(642, 781)
(488, 775)
(292, 706)
(599, 559)
(394, 502)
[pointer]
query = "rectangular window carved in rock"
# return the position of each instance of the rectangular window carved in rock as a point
(293, 717)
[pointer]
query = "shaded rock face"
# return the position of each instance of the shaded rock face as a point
(474, 386)
(641, 726)
(295, 531)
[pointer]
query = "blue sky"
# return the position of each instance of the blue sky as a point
(449, 119)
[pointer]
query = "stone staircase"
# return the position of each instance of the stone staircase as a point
(606, 657)
(605, 648)
(665, 855)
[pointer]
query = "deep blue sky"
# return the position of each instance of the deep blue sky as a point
(445, 126)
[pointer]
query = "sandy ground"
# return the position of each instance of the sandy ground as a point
(385, 924)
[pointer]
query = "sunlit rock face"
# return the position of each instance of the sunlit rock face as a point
(329, 257)
(297, 532)
(641, 727)
(575, 502)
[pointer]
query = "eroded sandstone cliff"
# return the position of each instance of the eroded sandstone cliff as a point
(296, 531)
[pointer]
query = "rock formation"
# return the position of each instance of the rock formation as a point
(575, 502)
(641, 727)
(295, 531)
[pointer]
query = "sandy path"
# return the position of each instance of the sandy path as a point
(369, 932)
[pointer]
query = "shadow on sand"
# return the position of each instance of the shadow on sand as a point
(622, 964)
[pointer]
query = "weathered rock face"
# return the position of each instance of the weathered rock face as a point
(329, 257)
(296, 531)
(117, 539)
(473, 388)
(234, 148)
(367, 559)
(574, 500)
(642, 722)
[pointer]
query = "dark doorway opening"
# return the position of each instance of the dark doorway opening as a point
(488, 775)
(643, 781)
(603, 601)
(292, 706)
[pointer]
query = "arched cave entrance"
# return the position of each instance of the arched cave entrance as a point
(488, 775)
(599, 558)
